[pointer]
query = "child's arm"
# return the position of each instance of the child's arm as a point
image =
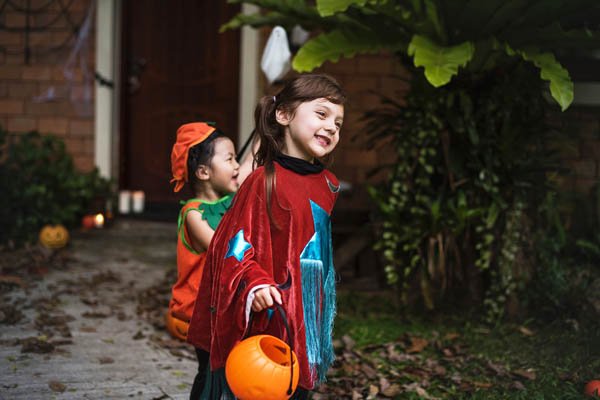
(200, 233)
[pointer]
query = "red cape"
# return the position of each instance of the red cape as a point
(249, 249)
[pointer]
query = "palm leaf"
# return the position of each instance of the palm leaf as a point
(332, 45)
(561, 86)
(441, 63)
(327, 8)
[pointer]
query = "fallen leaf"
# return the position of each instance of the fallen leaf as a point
(348, 342)
(526, 331)
(88, 329)
(451, 336)
(56, 386)
(417, 344)
(525, 373)
(392, 391)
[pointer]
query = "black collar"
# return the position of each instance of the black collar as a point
(299, 165)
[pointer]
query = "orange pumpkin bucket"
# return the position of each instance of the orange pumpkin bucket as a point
(176, 327)
(263, 367)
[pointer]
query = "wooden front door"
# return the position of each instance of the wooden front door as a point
(177, 68)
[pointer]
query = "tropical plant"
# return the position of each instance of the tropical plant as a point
(440, 36)
(473, 170)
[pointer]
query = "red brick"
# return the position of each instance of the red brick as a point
(10, 106)
(59, 74)
(36, 72)
(374, 64)
(81, 127)
(11, 39)
(44, 19)
(21, 124)
(14, 59)
(22, 90)
(361, 84)
(590, 148)
(394, 87)
(343, 65)
(400, 70)
(584, 185)
(75, 145)
(41, 40)
(81, 92)
(55, 126)
(49, 108)
(84, 163)
(10, 72)
(360, 157)
(14, 20)
(584, 168)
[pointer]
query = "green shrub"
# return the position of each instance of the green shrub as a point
(40, 185)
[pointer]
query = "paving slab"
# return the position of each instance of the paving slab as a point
(83, 332)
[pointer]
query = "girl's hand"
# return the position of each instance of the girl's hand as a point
(264, 298)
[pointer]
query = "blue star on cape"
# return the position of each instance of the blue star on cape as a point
(237, 246)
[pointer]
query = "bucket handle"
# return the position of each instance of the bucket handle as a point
(289, 334)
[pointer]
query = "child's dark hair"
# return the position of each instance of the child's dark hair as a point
(201, 154)
(296, 91)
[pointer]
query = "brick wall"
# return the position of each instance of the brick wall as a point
(582, 155)
(68, 115)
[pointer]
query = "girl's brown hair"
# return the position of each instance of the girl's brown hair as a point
(296, 91)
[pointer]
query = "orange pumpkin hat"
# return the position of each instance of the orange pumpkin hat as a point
(188, 135)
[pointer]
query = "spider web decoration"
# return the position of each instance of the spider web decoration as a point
(53, 25)
(77, 42)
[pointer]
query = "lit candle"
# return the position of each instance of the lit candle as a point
(99, 221)
(124, 201)
(138, 201)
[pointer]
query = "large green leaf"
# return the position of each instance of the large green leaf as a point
(441, 63)
(327, 8)
(561, 86)
(332, 45)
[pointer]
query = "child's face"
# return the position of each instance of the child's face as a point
(223, 170)
(314, 129)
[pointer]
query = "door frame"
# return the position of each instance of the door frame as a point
(107, 115)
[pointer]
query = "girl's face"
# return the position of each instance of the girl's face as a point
(223, 169)
(314, 129)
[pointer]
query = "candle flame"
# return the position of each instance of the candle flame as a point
(99, 220)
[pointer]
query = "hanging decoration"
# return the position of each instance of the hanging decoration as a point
(58, 17)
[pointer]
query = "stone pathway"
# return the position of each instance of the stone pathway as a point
(80, 334)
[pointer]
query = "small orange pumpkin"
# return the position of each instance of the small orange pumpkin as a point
(592, 389)
(259, 368)
(176, 327)
(54, 236)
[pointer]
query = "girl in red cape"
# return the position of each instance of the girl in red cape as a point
(274, 243)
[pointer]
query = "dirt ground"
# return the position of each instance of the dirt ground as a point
(85, 322)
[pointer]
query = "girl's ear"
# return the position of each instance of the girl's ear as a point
(202, 173)
(282, 117)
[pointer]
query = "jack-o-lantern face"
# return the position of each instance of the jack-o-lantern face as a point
(54, 236)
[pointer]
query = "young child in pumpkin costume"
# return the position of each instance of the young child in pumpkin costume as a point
(204, 158)
(274, 243)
